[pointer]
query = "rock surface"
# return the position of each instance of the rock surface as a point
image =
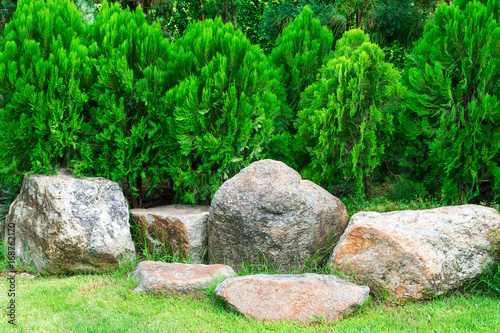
(64, 224)
(181, 228)
(184, 279)
(267, 210)
(417, 254)
(302, 297)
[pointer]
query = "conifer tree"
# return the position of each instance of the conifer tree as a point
(225, 109)
(345, 119)
(302, 48)
(46, 70)
(454, 108)
(134, 72)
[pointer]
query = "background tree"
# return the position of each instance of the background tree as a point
(46, 72)
(300, 51)
(226, 110)
(276, 19)
(135, 69)
(400, 21)
(345, 119)
(453, 115)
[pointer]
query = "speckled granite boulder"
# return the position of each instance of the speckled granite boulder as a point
(267, 210)
(417, 254)
(181, 228)
(64, 224)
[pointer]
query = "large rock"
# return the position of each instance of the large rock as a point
(303, 297)
(417, 254)
(64, 224)
(181, 229)
(183, 279)
(267, 210)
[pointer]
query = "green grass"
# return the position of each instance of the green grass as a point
(105, 303)
(92, 303)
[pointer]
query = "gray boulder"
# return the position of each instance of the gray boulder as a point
(267, 212)
(183, 279)
(302, 297)
(63, 224)
(180, 228)
(417, 254)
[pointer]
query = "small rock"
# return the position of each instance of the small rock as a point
(65, 224)
(25, 275)
(268, 213)
(417, 254)
(184, 279)
(302, 297)
(180, 228)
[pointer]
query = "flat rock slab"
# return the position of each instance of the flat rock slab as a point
(183, 279)
(417, 254)
(180, 228)
(65, 224)
(268, 213)
(302, 297)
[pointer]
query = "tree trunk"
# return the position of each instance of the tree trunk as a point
(358, 19)
(367, 186)
(202, 15)
(234, 15)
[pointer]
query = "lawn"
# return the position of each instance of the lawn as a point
(105, 303)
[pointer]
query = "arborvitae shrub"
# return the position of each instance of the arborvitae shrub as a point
(134, 72)
(45, 73)
(345, 119)
(225, 109)
(300, 51)
(454, 108)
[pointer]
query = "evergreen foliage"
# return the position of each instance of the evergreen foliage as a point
(276, 19)
(452, 121)
(46, 70)
(302, 48)
(135, 69)
(398, 20)
(225, 110)
(345, 119)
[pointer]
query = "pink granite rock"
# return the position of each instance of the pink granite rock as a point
(302, 297)
(185, 279)
(417, 254)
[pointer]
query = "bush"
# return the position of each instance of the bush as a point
(452, 121)
(225, 110)
(345, 119)
(302, 48)
(46, 71)
(135, 69)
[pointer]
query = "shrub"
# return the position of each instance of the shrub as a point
(225, 110)
(452, 121)
(345, 119)
(302, 48)
(46, 70)
(135, 69)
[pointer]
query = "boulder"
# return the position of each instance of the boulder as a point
(183, 279)
(302, 297)
(268, 213)
(181, 229)
(64, 224)
(417, 254)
